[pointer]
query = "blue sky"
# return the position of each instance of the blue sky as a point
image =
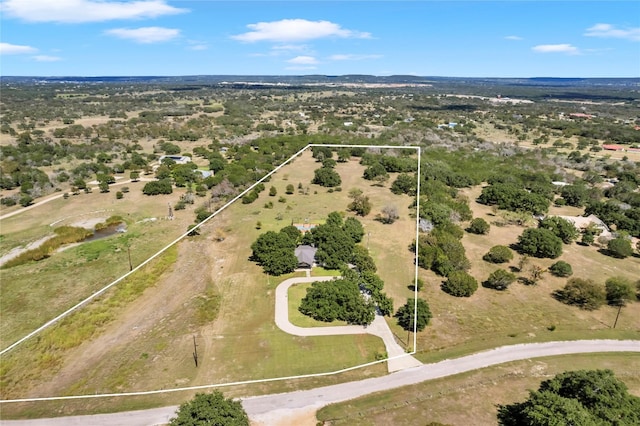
(426, 38)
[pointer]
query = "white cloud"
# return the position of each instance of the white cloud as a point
(76, 11)
(145, 35)
(46, 58)
(513, 37)
(609, 31)
(556, 48)
(303, 60)
(15, 49)
(292, 30)
(290, 47)
(352, 57)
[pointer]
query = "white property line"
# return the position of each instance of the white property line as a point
(108, 286)
(191, 388)
(94, 295)
(444, 368)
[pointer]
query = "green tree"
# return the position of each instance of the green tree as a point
(584, 293)
(460, 284)
(561, 228)
(274, 251)
(619, 247)
(104, 187)
(273, 191)
(157, 187)
(374, 171)
(499, 279)
(326, 177)
(406, 315)
(584, 397)
(498, 254)
(338, 299)
(404, 184)
(360, 203)
(134, 175)
(353, 227)
(619, 291)
(210, 409)
(362, 260)
(479, 226)
(540, 243)
(575, 195)
(561, 269)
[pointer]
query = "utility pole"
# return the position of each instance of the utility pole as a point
(195, 351)
(617, 315)
(129, 254)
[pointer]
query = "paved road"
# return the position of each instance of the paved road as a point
(267, 409)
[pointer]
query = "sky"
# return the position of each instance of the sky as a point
(424, 38)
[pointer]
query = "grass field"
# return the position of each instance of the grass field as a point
(150, 344)
(455, 400)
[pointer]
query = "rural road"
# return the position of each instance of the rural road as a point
(270, 409)
(60, 195)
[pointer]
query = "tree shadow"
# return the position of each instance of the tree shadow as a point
(526, 281)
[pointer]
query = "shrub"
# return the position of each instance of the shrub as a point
(498, 254)
(561, 269)
(584, 293)
(619, 247)
(119, 195)
(479, 226)
(460, 284)
(499, 279)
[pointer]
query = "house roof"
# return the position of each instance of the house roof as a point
(306, 254)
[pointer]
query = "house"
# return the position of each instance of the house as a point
(581, 222)
(179, 159)
(613, 147)
(306, 256)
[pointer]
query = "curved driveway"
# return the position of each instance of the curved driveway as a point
(398, 359)
(269, 409)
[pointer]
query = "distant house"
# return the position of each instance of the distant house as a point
(306, 256)
(304, 227)
(613, 147)
(580, 115)
(179, 159)
(204, 173)
(581, 222)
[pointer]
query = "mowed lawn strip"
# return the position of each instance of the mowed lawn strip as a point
(471, 398)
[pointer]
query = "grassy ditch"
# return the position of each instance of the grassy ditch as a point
(43, 354)
(63, 235)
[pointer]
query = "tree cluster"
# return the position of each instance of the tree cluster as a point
(274, 251)
(584, 397)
